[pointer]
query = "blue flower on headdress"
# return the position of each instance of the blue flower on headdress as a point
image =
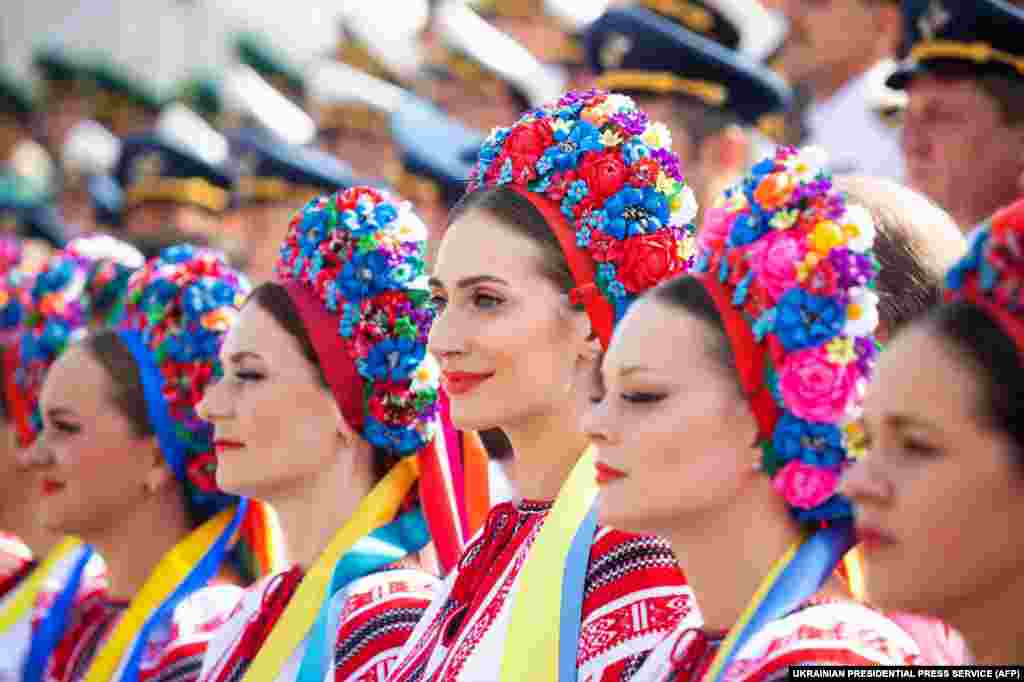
(804, 320)
(819, 445)
(365, 275)
(400, 439)
(393, 359)
(634, 150)
(633, 211)
(969, 263)
(837, 507)
(570, 144)
(747, 229)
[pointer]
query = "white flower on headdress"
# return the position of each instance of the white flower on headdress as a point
(684, 207)
(562, 125)
(427, 375)
(861, 312)
(859, 228)
(408, 227)
(657, 136)
(806, 163)
(617, 102)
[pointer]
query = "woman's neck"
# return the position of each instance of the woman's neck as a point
(312, 513)
(990, 623)
(727, 556)
(546, 449)
(136, 541)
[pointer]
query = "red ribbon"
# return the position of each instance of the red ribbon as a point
(749, 356)
(581, 265)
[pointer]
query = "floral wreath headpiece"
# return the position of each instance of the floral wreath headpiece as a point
(991, 275)
(790, 267)
(605, 180)
(56, 307)
(12, 291)
(353, 264)
(112, 263)
(177, 308)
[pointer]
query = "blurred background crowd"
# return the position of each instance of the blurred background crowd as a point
(212, 121)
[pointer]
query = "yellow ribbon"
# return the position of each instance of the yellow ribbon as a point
(164, 579)
(25, 598)
(535, 618)
(376, 509)
(730, 641)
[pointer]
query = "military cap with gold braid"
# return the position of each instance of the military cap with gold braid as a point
(201, 92)
(985, 36)
(16, 97)
(571, 16)
(153, 168)
(376, 40)
(118, 88)
(271, 170)
(346, 98)
(256, 52)
(635, 50)
(62, 69)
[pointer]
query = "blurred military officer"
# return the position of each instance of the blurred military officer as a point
(256, 51)
(963, 135)
(275, 179)
(437, 155)
(89, 150)
(126, 103)
(552, 30)
(481, 75)
(202, 93)
(28, 213)
(20, 155)
(705, 92)
(177, 182)
(838, 51)
(68, 93)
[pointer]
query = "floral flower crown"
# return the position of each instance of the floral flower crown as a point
(13, 295)
(112, 264)
(181, 304)
(361, 254)
(614, 178)
(798, 264)
(55, 314)
(991, 275)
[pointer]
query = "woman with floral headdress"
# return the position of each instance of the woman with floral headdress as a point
(330, 411)
(571, 213)
(944, 424)
(55, 590)
(730, 409)
(125, 465)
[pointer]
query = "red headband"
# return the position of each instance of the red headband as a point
(749, 356)
(337, 365)
(18, 405)
(586, 292)
(1011, 324)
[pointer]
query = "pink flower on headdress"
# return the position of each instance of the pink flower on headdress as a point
(605, 248)
(815, 389)
(774, 259)
(715, 229)
(805, 486)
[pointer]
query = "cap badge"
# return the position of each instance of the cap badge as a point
(614, 51)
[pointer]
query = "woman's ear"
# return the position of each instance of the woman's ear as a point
(347, 436)
(158, 474)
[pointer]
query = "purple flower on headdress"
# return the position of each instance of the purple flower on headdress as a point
(632, 121)
(819, 445)
(669, 163)
(805, 320)
(854, 269)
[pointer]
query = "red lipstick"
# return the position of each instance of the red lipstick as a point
(872, 539)
(222, 445)
(51, 487)
(607, 474)
(460, 383)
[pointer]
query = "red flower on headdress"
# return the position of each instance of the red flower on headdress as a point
(824, 281)
(648, 260)
(524, 145)
(644, 172)
(605, 173)
(604, 248)
(560, 185)
(202, 471)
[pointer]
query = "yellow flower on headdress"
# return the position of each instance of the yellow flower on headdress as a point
(859, 228)
(784, 219)
(841, 351)
(686, 247)
(610, 138)
(807, 266)
(596, 115)
(856, 438)
(218, 320)
(657, 136)
(562, 126)
(426, 375)
(826, 236)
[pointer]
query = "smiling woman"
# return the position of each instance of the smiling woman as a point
(572, 212)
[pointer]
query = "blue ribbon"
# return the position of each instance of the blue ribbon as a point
(406, 534)
(51, 629)
(571, 619)
(175, 453)
(813, 564)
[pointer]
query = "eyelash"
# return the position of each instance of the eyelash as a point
(918, 448)
(65, 427)
(440, 302)
(249, 376)
(641, 398)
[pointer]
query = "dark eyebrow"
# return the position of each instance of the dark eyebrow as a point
(632, 369)
(901, 421)
(469, 281)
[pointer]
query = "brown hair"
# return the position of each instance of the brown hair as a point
(125, 379)
(916, 243)
(277, 302)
